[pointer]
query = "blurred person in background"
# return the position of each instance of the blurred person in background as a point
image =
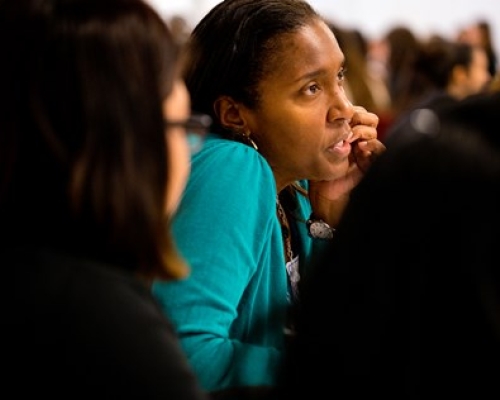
(363, 86)
(448, 72)
(180, 29)
(402, 47)
(480, 34)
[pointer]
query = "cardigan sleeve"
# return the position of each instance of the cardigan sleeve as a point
(228, 312)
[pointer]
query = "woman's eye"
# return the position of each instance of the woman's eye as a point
(312, 88)
(341, 74)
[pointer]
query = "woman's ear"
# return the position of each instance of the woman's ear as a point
(229, 114)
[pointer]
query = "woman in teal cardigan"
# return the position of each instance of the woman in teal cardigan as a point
(286, 141)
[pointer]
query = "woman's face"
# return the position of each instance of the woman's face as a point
(302, 119)
(177, 108)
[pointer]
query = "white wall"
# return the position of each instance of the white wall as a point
(424, 16)
(374, 17)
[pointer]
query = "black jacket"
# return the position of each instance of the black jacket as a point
(76, 328)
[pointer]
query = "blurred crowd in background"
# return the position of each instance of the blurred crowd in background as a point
(401, 70)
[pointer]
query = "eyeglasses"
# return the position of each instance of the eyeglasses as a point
(196, 126)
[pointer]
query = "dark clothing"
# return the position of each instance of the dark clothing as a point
(400, 129)
(80, 329)
(404, 304)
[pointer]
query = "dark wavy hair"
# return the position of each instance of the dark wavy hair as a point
(83, 158)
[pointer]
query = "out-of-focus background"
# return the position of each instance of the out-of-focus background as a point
(374, 18)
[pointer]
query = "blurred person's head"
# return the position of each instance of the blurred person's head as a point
(86, 163)
(403, 46)
(480, 34)
(357, 82)
(460, 69)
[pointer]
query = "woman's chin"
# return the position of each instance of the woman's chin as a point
(337, 171)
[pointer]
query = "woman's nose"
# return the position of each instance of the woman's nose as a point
(341, 107)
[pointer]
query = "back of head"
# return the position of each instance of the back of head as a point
(82, 148)
(449, 168)
(234, 46)
(411, 283)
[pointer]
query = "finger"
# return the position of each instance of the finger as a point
(367, 151)
(359, 109)
(365, 118)
(364, 132)
(371, 146)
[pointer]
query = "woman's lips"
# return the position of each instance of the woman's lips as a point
(342, 147)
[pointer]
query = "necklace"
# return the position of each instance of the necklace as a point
(291, 267)
(285, 228)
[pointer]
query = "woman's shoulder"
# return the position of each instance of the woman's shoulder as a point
(233, 164)
(82, 308)
(228, 180)
(81, 292)
(230, 152)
